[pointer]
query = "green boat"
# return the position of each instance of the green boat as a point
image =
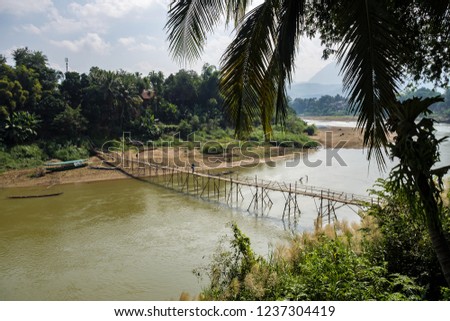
(64, 166)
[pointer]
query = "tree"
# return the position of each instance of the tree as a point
(70, 123)
(109, 101)
(417, 149)
(181, 89)
(71, 88)
(374, 40)
(37, 61)
(209, 99)
(20, 127)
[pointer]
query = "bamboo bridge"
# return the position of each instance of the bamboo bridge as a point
(227, 187)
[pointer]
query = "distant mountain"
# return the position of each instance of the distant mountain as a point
(325, 82)
(328, 75)
(313, 90)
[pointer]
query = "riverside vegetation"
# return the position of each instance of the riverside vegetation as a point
(386, 256)
(46, 114)
(380, 44)
(338, 106)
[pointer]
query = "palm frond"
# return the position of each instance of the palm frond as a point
(290, 16)
(235, 10)
(244, 65)
(371, 71)
(189, 22)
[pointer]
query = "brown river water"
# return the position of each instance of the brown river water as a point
(129, 240)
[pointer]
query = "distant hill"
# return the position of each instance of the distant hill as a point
(328, 75)
(325, 82)
(313, 90)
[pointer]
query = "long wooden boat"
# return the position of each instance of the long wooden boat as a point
(35, 196)
(103, 168)
(64, 166)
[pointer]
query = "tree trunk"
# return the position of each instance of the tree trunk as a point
(438, 239)
(442, 250)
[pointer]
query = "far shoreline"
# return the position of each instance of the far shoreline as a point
(328, 137)
(330, 118)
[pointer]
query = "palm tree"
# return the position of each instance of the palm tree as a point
(376, 42)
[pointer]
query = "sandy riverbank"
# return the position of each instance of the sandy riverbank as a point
(329, 137)
(344, 137)
(181, 158)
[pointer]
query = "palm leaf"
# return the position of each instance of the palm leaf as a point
(371, 71)
(243, 84)
(189, 22)
(290, 16)
(235, 10)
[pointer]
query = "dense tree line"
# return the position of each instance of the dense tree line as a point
(40, 103)
(323, 106)
(338, 105)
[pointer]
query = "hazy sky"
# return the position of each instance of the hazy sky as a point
(113, 34)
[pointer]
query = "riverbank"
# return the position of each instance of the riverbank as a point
(328, 137)
(338, 131)
(339, 137)
(98, 170)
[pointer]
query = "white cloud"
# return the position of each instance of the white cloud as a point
(132, 44)
(31, 28)
(143, 47)
(91, 41)
(113, 8)
(59, 24)
(23, 7)
(216, 46)
(127, 41)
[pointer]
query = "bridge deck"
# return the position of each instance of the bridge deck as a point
(293, 188)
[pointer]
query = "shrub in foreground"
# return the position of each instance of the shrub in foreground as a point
(329, 264)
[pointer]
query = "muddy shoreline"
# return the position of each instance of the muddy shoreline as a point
(328, 137)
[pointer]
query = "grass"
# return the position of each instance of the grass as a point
(21, 156)
(332, 263)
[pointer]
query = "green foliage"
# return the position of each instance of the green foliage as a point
(103, 104)
(27, 151)
(166, 112)
(70, 152)
(21, 156)
(70, 123)
(323, 106)
(417, 149)
(405, 244)
(146, 127)
(332, 270)
(330, 264)
(185, 129)
(310, 130)
(20, 127)
(212, 148)
(440, 109)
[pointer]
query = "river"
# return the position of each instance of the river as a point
(128, 240)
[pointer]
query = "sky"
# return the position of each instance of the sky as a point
(113, 35)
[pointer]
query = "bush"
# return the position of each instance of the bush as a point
(212, 148)
(6, 161)
(71, 152)
(406, 245)
(27, 152)
(310, 130)
(329, 264)
(21, 156)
